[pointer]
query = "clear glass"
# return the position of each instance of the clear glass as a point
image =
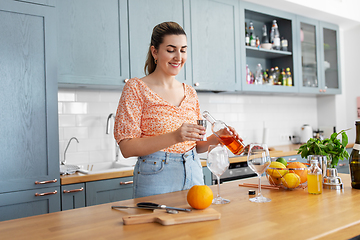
(308, 55)
(218, 161)
(330, 59)
(314, 178)
(259, 160)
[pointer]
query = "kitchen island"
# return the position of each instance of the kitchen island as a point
(292, 214)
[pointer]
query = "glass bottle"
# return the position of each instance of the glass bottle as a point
(271, 76)
(282, 78)
(265, 38)
(252, 34)
(276, 75)
(289, 78)
(259, 77)
(247, 37)
(354, 160)
(257, 42)
(314, 178)
(249, 77)
(284, 44)
(275, 36)
(226, 137)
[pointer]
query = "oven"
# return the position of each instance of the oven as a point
(236, 171)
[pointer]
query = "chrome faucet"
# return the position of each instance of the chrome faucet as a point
(117, 148)
(63, 162)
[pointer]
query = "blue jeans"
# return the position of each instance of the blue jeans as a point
(163, 172)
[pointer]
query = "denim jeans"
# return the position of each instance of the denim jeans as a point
(163, 172)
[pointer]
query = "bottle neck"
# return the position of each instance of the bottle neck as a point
(357, 139)
(208, 117)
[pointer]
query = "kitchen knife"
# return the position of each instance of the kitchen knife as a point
(146, 208)
(159, 206)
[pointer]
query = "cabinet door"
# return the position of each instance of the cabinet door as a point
(252, 56)
(309, 43)
(28, 97)
(93, 43)
(40, 2)
(29, 203)
(215, 44)
(144, 15)
(72, 196)
(110, 190)
(329, 34)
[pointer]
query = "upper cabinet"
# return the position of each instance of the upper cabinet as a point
(92, 43)
(319, 57)
(271, 59)
(144, 15)
(215, 45)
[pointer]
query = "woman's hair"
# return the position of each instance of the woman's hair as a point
(157, 37)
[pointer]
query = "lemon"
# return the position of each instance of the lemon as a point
(282, 160)
(277, 173)
(290, 180)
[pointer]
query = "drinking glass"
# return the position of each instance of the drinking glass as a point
(258, 160)
(218, 161)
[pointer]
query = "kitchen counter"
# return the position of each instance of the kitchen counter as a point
(293, 214)
(277, 151)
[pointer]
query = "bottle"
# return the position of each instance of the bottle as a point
(314, 178)
(247, 37)
(249, 77)
(275, 36)
(266, 76)
(276, 76)
(252, 34)
(271, 76)
(289, 78)
(259, 77)
(284, 44)
(226, 137)
(264, 38)
(354, 160)
(282, 78)
(257, 42)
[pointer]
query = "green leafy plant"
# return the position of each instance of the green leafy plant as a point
(332, 148)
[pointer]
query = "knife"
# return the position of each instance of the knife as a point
(132, 207)
(159, 206)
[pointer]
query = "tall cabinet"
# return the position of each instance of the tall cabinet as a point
(29, 155)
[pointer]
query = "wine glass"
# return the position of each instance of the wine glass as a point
(218, 161)
(258, 160)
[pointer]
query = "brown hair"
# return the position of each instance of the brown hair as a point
(157, 37)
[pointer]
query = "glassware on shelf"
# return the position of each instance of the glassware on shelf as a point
(217, 162)
(275, 36)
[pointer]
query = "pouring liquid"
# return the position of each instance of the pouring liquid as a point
(232, 144)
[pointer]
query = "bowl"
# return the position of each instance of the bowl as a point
(287, 178)
(266, 46)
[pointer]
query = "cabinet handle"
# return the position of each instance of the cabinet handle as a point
(126, 183)
(196, 84)
(126, 80)
(44, 194)
(341, 164)
(292, 159)
(320, 90)
(324, 90)
(74, 190)
(45, 182)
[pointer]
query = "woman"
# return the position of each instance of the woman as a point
(156, 119)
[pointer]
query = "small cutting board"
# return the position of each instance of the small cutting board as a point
(164, 218)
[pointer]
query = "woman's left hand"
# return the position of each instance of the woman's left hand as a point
(237, 136)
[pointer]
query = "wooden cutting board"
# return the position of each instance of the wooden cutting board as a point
(164, 218)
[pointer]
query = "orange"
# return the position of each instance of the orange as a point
(200, 196)
(301, 173)
(274, 180)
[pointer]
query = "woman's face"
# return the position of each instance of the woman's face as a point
(171, 55)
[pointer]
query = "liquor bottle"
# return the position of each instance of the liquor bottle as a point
(226, 137)
(354, 160)
(247, 37)
(275, 36)
(259, 77)
(284, 44)
(265, 38)
(266, 76)
(282, 78)
(289, 78)
(252, 34)
(257, 42)
(249, 79)
(314, 178)
(271, 76)
(276, 76)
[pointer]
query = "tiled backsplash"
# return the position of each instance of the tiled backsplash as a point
(83, 114)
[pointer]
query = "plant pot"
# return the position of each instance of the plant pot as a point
(332, 180)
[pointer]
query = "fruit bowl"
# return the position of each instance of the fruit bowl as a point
(291, 177)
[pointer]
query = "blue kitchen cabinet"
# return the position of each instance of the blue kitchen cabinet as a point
(72, 196)
(343, 165)
(143, 16)
(93, 43)
(29, 116)
(252, 56)
(207, 176)
(40, 2)
(110, 190)
(214, 39)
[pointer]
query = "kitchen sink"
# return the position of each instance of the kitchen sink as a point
(106, 167)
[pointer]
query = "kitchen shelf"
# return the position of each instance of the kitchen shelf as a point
(264, 53)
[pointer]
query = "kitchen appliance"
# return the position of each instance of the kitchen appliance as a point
(236, 171)
(306, 133)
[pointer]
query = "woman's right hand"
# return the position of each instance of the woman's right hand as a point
(189, 132)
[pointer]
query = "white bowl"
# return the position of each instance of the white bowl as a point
(266, 46)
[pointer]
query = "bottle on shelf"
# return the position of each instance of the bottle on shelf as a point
(271, 76)
(266, 76)
(225, 135)
(247, 37)
(249, 76)
(252, 34)
(276, 75)
(354, 160)
(282, 78)
(314, 178)
(289, 78)
(259, 77)
(275, 36)
(284, 44)
(257, 42)
(265, 38)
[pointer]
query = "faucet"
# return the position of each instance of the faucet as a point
(63, 162)
(117, 148)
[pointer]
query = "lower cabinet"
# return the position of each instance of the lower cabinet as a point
(29, 203)
(295, 158)
(110, 190)
(343, 165)
(207, 176)
(72, 196)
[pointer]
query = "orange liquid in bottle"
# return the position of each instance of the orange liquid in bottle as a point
(232, 144)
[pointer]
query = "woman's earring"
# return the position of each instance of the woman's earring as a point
(155, 61)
